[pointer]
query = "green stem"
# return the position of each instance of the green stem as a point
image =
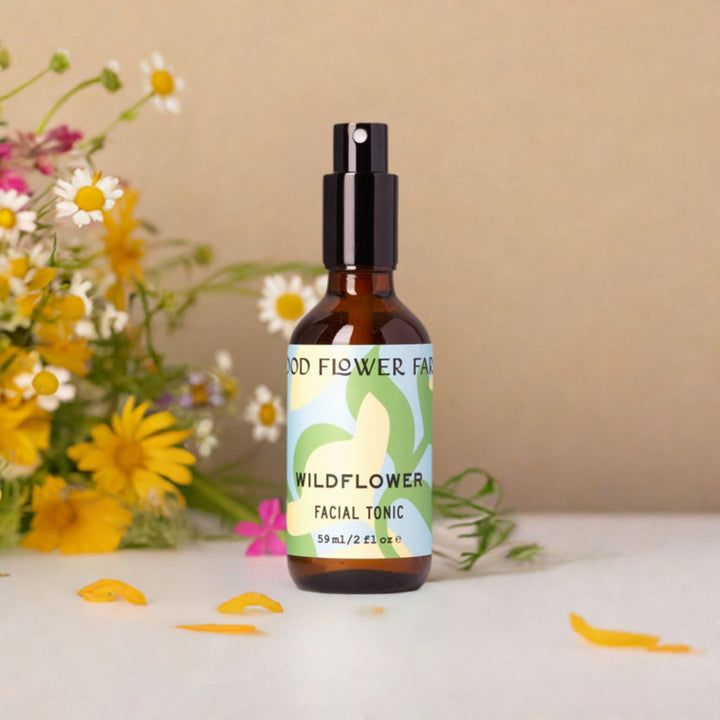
(120, 118)
(41, 195)
(19, 88)
(231, 508)
(147, 324)
(64, 99)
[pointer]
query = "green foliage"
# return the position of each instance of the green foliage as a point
(110, 80)
(13, 497)
(164, 529)
(479, 516)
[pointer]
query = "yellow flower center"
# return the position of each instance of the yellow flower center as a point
(45, 383)
(129, 456)
(89, 198)
(267, 413)
(7, 218)
(290, 306)
(162, 82)
(199, 394)
(60, 514)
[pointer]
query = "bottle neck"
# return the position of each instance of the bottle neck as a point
(361, 282)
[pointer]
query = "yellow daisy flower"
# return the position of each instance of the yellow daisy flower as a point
(135, 458)
(61, 349)
(123, 251)
(23, 277)
(24, 430)
(75, 521)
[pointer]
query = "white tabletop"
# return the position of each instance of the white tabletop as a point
(492, 644)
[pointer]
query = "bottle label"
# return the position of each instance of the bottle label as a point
(359, 469)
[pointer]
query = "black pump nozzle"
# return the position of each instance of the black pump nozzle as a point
(360, 147)
(360, 200)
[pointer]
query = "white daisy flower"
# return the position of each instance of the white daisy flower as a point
(112, 321)
(206, 441)
(223, 362)
(265, 411)
(162, 82)
(321, 285)
(86, 196)
(65, 390)
(14, 220)
(283, 303)
(85, 328)
(79, 287)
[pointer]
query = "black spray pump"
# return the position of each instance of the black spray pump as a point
(360, 200)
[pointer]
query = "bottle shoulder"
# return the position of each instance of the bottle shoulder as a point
(360, 320)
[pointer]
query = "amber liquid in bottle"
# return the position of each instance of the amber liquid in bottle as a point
(360, 308)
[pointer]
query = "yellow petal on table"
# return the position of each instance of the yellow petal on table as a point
(239, 603)
(223, 629)
(108, 590)
(620, 638)
(611, 638)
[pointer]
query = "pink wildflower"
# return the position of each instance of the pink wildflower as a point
(272, 521)
(44, 165)
(10, 180)
(59, 140)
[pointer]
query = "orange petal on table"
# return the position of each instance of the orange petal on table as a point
(223, 629)
(619, 638)
(108, 590)
(239, 603)
(612, 638)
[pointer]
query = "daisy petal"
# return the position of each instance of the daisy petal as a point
(66, 208)
(81, 218)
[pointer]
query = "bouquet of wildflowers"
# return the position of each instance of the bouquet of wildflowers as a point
(103, 440)
(100, 434)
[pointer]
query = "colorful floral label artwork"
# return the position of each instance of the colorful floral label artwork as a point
(359, 469)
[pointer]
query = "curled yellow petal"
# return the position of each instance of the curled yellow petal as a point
(108, 590)
(239, 603)
(222, 629)
(611, 638)
(619, 638)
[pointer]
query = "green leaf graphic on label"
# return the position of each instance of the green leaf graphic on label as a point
(425, 395)
(402, 427)
(401, 445)
(302, 545)
(314, 437)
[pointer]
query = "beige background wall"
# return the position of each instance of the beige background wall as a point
(560, 206)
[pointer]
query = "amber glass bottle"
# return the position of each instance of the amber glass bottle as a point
(359, 396)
